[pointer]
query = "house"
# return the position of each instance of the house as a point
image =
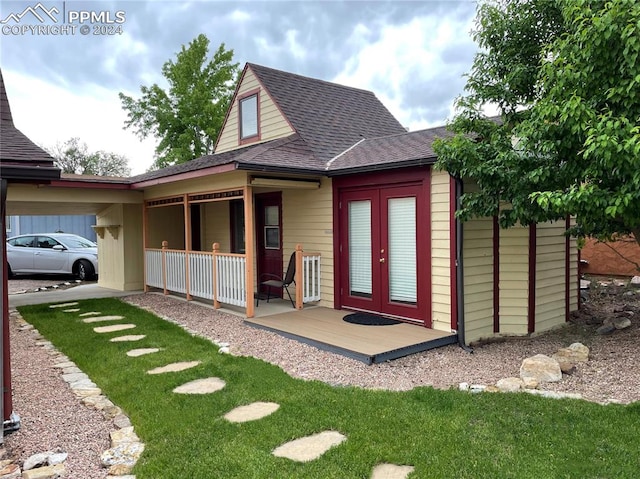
(324, 170)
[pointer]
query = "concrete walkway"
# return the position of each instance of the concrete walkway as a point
(84, 291)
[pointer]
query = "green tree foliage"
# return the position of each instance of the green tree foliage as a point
(565, 76)
(187, 117)
(73, 156)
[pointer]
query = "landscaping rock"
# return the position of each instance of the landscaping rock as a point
(309, 448)
(37, 460)
(477, 388)
(606, 329)
(463, 386)
(635, 282)
(621, 323)
(10, 471)
(569, 357)
(510, 384)
(47, 472)
(121, 459)
(541, 368)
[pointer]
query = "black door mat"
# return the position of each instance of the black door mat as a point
(368, 319)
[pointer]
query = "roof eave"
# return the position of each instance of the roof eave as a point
(280, 169)
(381, 167)
(29, 173)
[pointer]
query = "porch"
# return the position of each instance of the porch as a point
(324, 328)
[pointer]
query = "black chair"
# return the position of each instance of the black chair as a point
(280, 281)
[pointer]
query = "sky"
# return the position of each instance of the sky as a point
(64, 67)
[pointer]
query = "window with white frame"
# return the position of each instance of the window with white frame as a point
(249, 117)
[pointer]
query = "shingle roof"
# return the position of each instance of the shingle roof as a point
(329, 117)
(389, 151)
(17, 152)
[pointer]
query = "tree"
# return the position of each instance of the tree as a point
(565, 76)
(73, 156)
(188, 116)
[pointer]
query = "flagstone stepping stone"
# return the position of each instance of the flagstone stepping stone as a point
(113, 328)
(134, 353)
(391, 471)
(201, 386)
(73, 310)
(90, 313)
(309, 448)
(63, 305)
(174, 367)
(98, 319)
(130, 337)
(251, 412)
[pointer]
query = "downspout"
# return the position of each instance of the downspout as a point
(460, 271)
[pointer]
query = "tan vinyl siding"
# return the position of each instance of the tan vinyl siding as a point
(272, 123)
(550, 275)
(216, 226)
(200, 184)
(120, 259)
(165, 223)
(514, 280)
(478, 278)
(440, 251)
(307, 218)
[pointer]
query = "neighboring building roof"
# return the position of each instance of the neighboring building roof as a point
(21, 159)
(329, 117)
(406, 149)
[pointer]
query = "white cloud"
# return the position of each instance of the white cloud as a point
(48, 114)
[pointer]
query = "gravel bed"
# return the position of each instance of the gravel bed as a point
(53, 418)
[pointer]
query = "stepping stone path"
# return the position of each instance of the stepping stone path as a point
(251, 412)
(201, 386)
(391, 471)
(73, 310)
(113, 328)
(174, 367)
(90, 313)
(134, 353)
(130, 337)
(64, 305)
(309, 448)
(99, 319)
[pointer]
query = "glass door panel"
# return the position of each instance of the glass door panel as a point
(360, 248)
(402, 262)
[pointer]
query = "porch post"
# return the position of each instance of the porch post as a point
(249, 235)
(216, 250)
(187, 245)
(165, 245)
(299, 276)
(145, 235)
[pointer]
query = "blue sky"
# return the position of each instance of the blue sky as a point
(63, 83)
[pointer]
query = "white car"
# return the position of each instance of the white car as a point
(53, 253)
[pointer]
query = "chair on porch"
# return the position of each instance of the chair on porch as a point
(280, 281)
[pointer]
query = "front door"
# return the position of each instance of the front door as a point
(269, 239)
(384, 251)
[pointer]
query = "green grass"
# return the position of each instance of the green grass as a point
(444, 434)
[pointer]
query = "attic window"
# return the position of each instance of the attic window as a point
(249, 116)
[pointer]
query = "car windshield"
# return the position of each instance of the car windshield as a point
(78, 242)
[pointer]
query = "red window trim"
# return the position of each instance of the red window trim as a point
(257, 137)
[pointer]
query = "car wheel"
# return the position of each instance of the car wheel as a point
(84, 270)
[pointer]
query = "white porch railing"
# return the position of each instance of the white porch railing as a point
(230, 279)
(310, 277)
(222, 277)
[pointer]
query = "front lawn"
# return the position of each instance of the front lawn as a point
(443, 434)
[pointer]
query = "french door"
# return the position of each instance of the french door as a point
(384, 268)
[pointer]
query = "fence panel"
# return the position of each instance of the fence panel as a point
(201, 274)
(176, 271)
(310, 278)
(231, 281)
(154, 268)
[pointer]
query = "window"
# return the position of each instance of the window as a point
(272, 227)
(249, 116)
(24, 241)
(237, 226)
(46, 242)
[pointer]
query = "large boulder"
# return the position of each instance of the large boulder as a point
(569, 357)
(540, 368)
